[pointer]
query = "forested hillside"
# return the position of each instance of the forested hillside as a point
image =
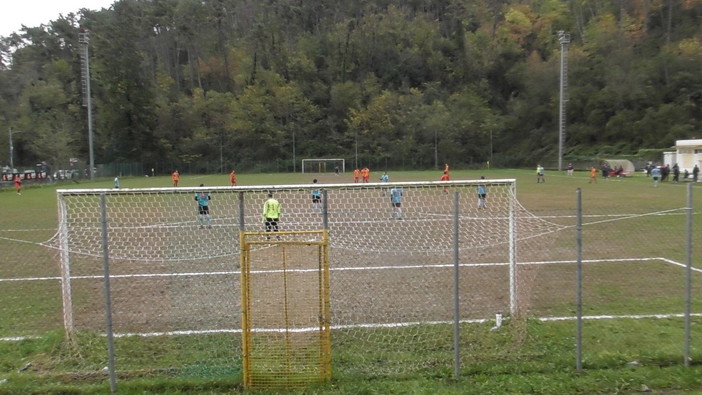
(261, 84)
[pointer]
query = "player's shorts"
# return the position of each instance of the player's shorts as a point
(397, 205)
(316, 199)
(203, 210)
(271, 222)
(482, 195)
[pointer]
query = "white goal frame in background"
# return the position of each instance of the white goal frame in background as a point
(323, 165)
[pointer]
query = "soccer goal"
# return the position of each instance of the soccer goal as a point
(395, 253)
(323, 165)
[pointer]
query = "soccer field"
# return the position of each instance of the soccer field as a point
(389, 299)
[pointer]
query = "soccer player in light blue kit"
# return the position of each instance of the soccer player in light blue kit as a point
(316, 198)
(482, 194)
(203, 208)
(656, 174)
(396, 201)
(384, 178)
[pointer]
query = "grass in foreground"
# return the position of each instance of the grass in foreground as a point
(624, 356)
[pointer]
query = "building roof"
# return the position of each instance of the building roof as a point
(688, 143)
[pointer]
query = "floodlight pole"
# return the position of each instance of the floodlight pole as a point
(564, 39)
(84, 40)
(436, 149)
(12, 149)
(355, 164)
(293, 149)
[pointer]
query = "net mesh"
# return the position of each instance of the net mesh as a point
(391, 266)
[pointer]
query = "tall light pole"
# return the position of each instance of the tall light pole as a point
(490, 158)
(356, 158)
(84, 40)
(221, 151)
(436, 149)
(12, 150)
(564, 39)
(293, 147)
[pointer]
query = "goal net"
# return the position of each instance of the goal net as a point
(391, 266)
(323, 165)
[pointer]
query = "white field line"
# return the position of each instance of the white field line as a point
(366, 326)
(20, 241)
(342, 269)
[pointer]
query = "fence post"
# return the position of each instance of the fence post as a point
(513, 307)
(325, 208)
(688, 275)
(108, 299)
(579, 280)
(456, 284)
(242, 218)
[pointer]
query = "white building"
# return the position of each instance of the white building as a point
(688, 153)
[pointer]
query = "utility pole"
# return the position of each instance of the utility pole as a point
(564, 39)
(84, 40)
(12, 149)
(12, 163)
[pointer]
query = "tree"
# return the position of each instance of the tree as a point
(126, 118)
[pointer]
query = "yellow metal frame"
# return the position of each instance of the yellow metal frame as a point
(286, 239)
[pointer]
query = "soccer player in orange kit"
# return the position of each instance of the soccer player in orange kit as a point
(445, 177)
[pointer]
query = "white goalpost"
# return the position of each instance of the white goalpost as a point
(324, 165)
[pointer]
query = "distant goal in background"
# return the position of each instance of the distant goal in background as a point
(323, 165)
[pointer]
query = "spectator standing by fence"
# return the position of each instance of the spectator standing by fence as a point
(676, 173)
(665, 171)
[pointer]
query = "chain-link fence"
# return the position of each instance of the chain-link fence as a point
(409, 281)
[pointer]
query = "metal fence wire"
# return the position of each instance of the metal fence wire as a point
(422, 276)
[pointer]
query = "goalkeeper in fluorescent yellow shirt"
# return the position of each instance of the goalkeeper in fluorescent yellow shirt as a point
(271, 214)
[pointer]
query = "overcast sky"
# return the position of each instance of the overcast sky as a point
(32, 13)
